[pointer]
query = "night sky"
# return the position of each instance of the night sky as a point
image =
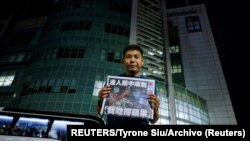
(228, 20)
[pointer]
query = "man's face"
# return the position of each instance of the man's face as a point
(133, 62)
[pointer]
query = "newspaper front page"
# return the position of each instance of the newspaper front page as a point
(129, 97)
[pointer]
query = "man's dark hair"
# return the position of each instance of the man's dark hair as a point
(132, 47)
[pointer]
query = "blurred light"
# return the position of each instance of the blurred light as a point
(151, 53)
(159, 52)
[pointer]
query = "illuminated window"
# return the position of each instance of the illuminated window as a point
(6, 78)
(174, 49)
(176, 67)
(98, 86)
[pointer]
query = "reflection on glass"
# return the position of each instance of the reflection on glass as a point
(32, 127)
(59, 129)
(5, 123)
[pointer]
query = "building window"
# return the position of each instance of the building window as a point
(82, 4)
(6, 78)
(20, 57)
(111, 56)
(103, 55)
(120, 8)
(65, 86)
(64, 89)
(78, 25)
(117, 57)
(193, 24)
(115, 29)
(114, 57)
(70, 53)
(98, 86)
(20, 37)
(174, 49)
(176, 67)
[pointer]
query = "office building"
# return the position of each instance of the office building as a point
(81, 42)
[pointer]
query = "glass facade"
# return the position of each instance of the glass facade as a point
(190, 108)
(197, 67)
(81, 44)
(16, 46)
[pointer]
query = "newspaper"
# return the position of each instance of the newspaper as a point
(129, 97)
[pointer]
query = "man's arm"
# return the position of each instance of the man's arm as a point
(99, 106)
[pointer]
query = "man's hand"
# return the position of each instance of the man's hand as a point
(155, 103)
(102, 94)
